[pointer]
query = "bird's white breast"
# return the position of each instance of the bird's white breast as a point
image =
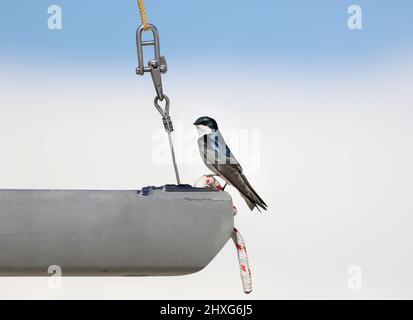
(203, 130)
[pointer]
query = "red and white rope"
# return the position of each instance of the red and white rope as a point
(209, 181)
(243, 261)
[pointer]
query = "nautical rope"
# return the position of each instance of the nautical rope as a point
(144, 16)
(243, 261)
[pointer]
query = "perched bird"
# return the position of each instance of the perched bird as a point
(220, 160)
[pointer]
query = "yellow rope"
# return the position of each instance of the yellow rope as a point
(144, 16)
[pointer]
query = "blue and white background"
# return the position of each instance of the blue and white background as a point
(319, 114)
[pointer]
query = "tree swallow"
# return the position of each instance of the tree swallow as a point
(220, 160)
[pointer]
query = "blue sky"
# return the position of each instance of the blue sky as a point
(222, 31)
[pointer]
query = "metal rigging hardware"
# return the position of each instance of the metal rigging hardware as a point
(157, 67)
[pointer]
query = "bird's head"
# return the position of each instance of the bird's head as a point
(205, 125)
